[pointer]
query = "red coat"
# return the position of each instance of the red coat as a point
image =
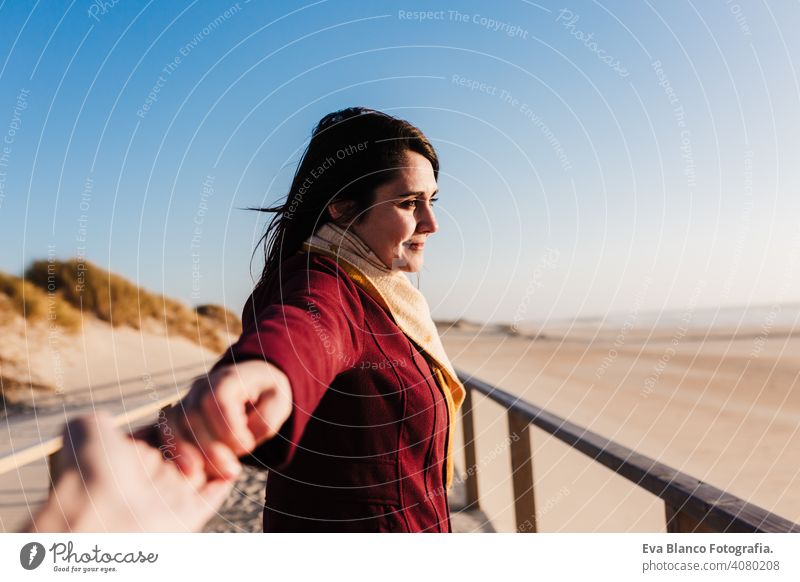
(364, 447)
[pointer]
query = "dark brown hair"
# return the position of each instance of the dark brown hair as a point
(351, 153)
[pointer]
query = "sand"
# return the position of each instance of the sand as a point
(719, 404)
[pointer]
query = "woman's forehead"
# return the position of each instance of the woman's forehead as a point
(414, 178)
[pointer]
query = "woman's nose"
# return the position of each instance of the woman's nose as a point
(426, 222)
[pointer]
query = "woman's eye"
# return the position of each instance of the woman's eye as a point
(413, 203)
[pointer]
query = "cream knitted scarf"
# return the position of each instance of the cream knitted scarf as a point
(407, 306)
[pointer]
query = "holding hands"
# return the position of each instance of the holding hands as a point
(105, 480)
(225, 415)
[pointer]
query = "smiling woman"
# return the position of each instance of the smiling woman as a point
(339, 382)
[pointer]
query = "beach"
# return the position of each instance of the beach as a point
(714, 397)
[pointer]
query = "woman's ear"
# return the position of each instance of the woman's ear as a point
(339, 208)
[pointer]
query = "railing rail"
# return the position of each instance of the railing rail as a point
(690, 505)
(33, 453)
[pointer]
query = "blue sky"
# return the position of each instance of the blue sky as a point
(596, 157)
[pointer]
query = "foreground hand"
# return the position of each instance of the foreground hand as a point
(107, 481)
(225, 415)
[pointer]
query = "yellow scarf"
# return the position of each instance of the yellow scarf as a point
(407, 306)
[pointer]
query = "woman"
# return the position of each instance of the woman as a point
(339, 382)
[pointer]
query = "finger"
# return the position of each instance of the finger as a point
(200, 386)
(264, 420)
(223, 462)
(220, 461)
(191, 463)
(182, 460)
(189, 460)
(225, 412)
(190, 441)
(176, 443)
(86, 440)
(169, 429)
(150, 457)
(148, 434)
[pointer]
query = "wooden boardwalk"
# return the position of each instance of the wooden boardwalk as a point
(242, 511)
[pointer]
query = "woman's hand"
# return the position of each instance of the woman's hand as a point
(106, 481)
(225, 415)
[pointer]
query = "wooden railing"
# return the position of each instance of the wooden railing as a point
(51, 446)
(690, 504)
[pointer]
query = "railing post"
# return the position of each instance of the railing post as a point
(522, 473)
(680, 522)
(51, 470)
(470, 459)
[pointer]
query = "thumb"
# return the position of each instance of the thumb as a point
(268, 414)
(86, 439)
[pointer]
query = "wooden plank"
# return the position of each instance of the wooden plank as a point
(717, 509)
(30, 454)
(522, 473)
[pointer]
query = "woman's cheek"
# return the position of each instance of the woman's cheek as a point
(410, 228)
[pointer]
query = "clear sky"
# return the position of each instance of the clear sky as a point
(597, 157)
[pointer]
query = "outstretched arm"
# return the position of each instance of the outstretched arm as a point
(261, 395)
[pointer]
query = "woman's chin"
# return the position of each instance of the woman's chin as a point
(414, 266)
(408, 264)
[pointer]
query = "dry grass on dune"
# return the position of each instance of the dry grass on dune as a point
(19, 297)
(63, 295)
(114, 299)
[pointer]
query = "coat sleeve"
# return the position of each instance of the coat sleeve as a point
(312, 333)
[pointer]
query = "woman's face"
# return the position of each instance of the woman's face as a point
(401, 218)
